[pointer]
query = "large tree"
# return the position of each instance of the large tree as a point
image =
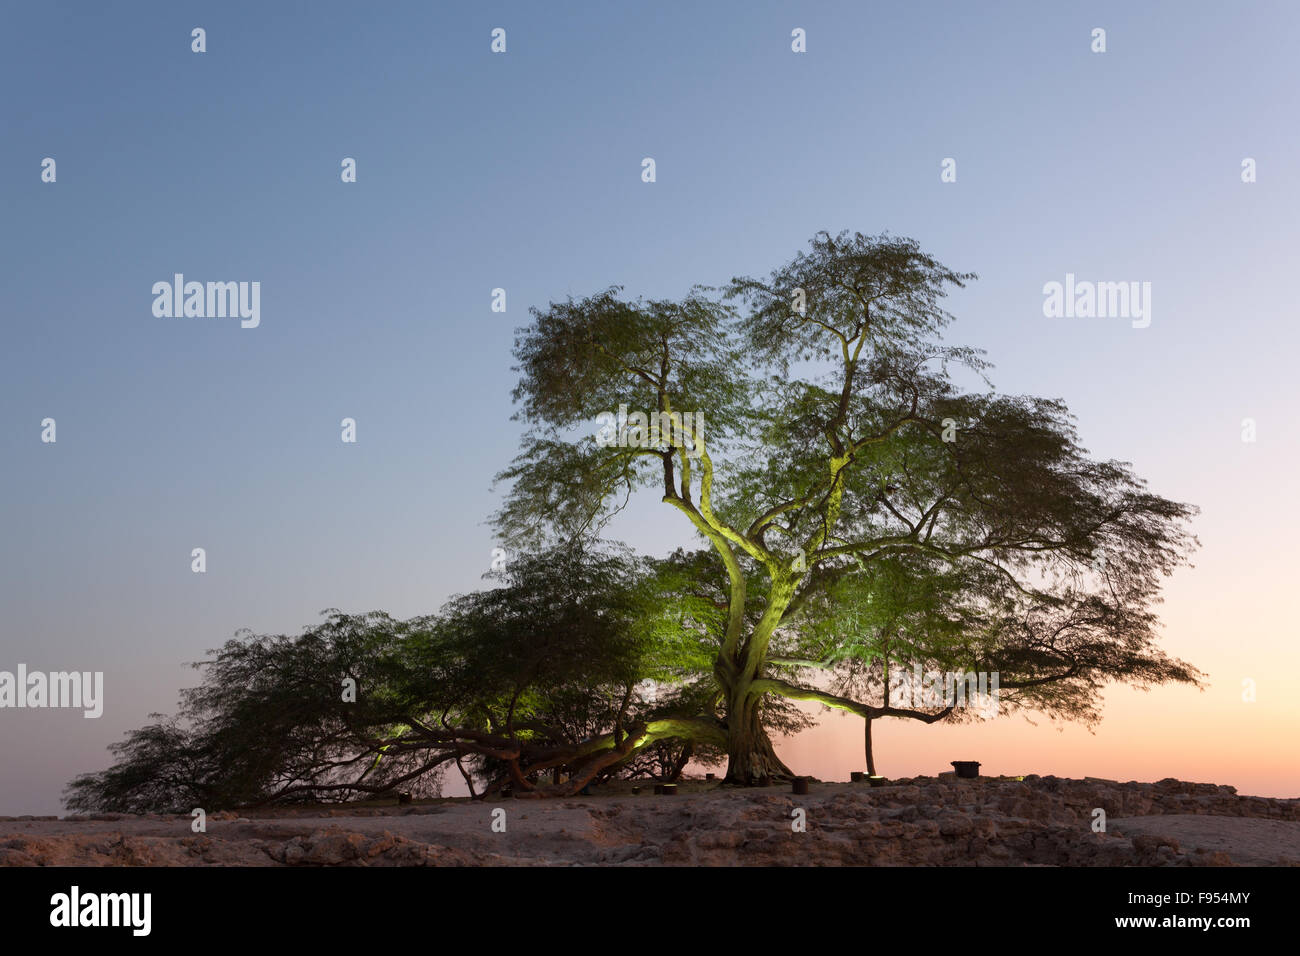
(811, 429)
(857, 512)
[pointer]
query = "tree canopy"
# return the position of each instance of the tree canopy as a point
(839, 453)
(549, 670)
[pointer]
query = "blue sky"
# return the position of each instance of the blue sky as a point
(522, 171)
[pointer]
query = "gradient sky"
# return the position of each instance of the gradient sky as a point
(522, 171)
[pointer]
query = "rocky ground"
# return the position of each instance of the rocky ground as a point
(923, 821)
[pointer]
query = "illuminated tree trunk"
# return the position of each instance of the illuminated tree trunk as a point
(750, 755)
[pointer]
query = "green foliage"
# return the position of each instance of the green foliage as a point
(532, 671)
(862, 507)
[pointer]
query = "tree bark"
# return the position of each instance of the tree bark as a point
(688, 751)
(469, 780)
(750, 755)
(871, 757)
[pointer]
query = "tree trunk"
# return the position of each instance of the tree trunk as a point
(871, 757)
(683, 759)
(469, 780)
(750, 755)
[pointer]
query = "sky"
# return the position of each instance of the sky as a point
(522, 170)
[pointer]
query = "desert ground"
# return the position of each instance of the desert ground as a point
(923, 821)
